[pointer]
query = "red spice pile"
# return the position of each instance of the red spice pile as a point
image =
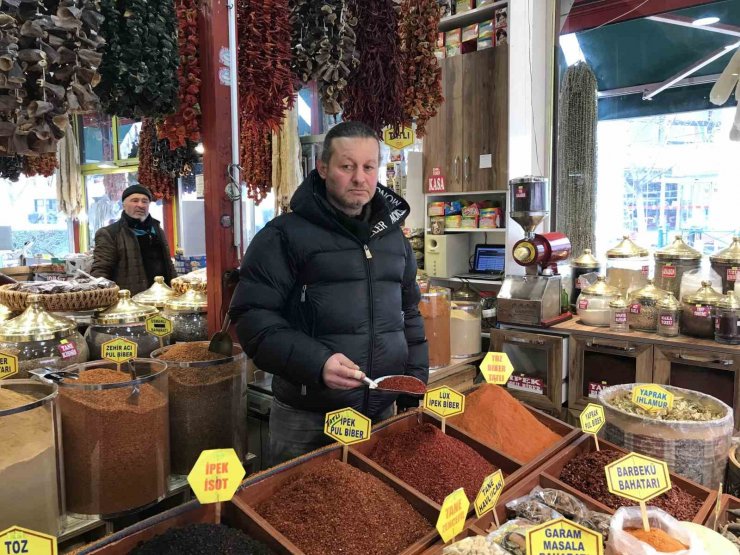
(407, 384)
(432, 462)
(336, 508)
(495, 418)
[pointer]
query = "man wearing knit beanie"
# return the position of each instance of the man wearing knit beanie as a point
(133, 250)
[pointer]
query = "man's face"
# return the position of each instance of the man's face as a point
(136, 206)
(352, 173)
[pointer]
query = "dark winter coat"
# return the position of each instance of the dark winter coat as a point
(310, 288)
(117, 256)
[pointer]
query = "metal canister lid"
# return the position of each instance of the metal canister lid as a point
(36, 324)
(705, 296)
(730, 255)
(193, 300)
(157, 295)
(730, 301)
(627, 248)
(125, 311)
(669, 302)
(648, 293)
(619, 302)
(600, 288)
(586, 260)
(5, 313)
(678, 250)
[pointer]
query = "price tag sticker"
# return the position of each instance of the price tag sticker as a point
(489, 493)
(638, 477)
(452, 516)
(652, 398)
(563, 537)
(118, 350)
(496, 368)
(8, 365)
(592, 418)
(444, 402)
(347, 426)
(159, 325)
(402, 139)
(216, 475)
(17, 540)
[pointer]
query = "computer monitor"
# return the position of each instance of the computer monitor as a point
(489, 259)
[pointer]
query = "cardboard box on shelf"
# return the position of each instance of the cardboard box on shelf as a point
(469, 222)
(464, 5)
(502, 36)
(453, 42)
(501, 17)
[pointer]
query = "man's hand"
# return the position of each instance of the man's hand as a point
(341, 373)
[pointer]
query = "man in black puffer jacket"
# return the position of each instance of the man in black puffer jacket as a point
(328, 294)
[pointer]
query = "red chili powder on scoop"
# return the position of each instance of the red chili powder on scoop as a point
(407, 384)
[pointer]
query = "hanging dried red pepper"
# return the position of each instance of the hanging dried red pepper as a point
(184, 124)
(375, 90)
(417, 32)
(255, 155)
(43, 164)
(161, 184)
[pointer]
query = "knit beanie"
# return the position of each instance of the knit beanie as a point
(136, 190)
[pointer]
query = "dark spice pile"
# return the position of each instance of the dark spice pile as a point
(432, 462)
(201, 539)
(336, 508)
(116, 455)
(586, 474)
(203, 403)
(407, 384)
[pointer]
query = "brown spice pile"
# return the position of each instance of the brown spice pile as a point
(432, 462)
(495, 418)
(586, 474)
(336, 508)
(190, 352)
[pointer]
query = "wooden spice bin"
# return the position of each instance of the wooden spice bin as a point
(586, 444)
(727, 502)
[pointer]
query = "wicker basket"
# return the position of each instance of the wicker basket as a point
(180, 286)
(17, 301)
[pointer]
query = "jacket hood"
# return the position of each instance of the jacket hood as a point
(309, 201)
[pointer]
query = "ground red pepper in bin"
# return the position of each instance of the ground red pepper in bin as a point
(407, 384)
(432, 462)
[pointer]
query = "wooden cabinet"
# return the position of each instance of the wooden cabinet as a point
(472, 123)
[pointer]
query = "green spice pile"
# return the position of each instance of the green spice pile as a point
(684, 408)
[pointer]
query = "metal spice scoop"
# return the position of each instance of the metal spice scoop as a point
(221, 341)
(54, 375)
(376, 384)
(133, 399)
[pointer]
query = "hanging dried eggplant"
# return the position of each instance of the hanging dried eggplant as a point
(422, 75)
(375, 92)
(161, 184)
(324, 48)
(255, 154)
(11, 167)
(175, 162)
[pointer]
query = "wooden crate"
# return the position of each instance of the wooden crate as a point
(585, 444)
(727, 502)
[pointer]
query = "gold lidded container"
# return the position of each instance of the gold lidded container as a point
(584, 264)
(643, 307)
(697, 311)
(39, 338)
(126, 319)
(189, 314)
(727, 264)
(618, 309)
(5, 313)
(157, 295)
(669, 313)
(672, 262)
(593, 303)
(727, 320)
(627, 266)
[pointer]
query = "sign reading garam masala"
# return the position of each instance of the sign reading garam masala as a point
(496, 368)
(118, 350)
(652, 398)
(638, 477)
(452, 516)
(8, 365)
(444, 402)
(489, 493)
(216, 475)
(17, 540)
(563, 537)
(159, 325)
(347, 426)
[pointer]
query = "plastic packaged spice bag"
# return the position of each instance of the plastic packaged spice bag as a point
(474, 545)
(531, 509)
(512, 536)
(561, 501)
(621, 542)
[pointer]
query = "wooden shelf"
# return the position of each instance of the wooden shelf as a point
(476, 230)
(465, 193)
(470, 280)
(470, 17)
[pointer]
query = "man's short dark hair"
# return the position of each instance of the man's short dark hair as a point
(345, 130)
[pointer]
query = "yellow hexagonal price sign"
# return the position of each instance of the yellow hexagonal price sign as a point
(444, 402)
(496, 368)
(118, 350)
(638, 477)
(17, 540)
(489, 493)
(398, 140)
(216, 475)
(452, 516)
(592, 418)
(159, 325)
(8, 365)
(347, 426)
(563, 537)
(652, 397)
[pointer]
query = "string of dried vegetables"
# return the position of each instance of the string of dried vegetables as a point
(422, 75)
(324, 47)
(161, 184)
(11, 167)
(43, 164)
(175, 162)
(375, 91)
(255, 154)
(185, 124)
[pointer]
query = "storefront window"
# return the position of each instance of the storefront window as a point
(108, 142)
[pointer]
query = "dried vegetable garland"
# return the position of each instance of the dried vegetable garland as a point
(422, 74)
(176, 162)
(141, 58)
(324, 47)
(45, 164)
(375, 91)
(11, 167)
(184, 125)
(255, 154)
(160, 183)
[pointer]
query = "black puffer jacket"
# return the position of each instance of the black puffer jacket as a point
(309, 288)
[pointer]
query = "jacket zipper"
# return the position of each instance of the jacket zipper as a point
(368, 257)
(304, 389)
